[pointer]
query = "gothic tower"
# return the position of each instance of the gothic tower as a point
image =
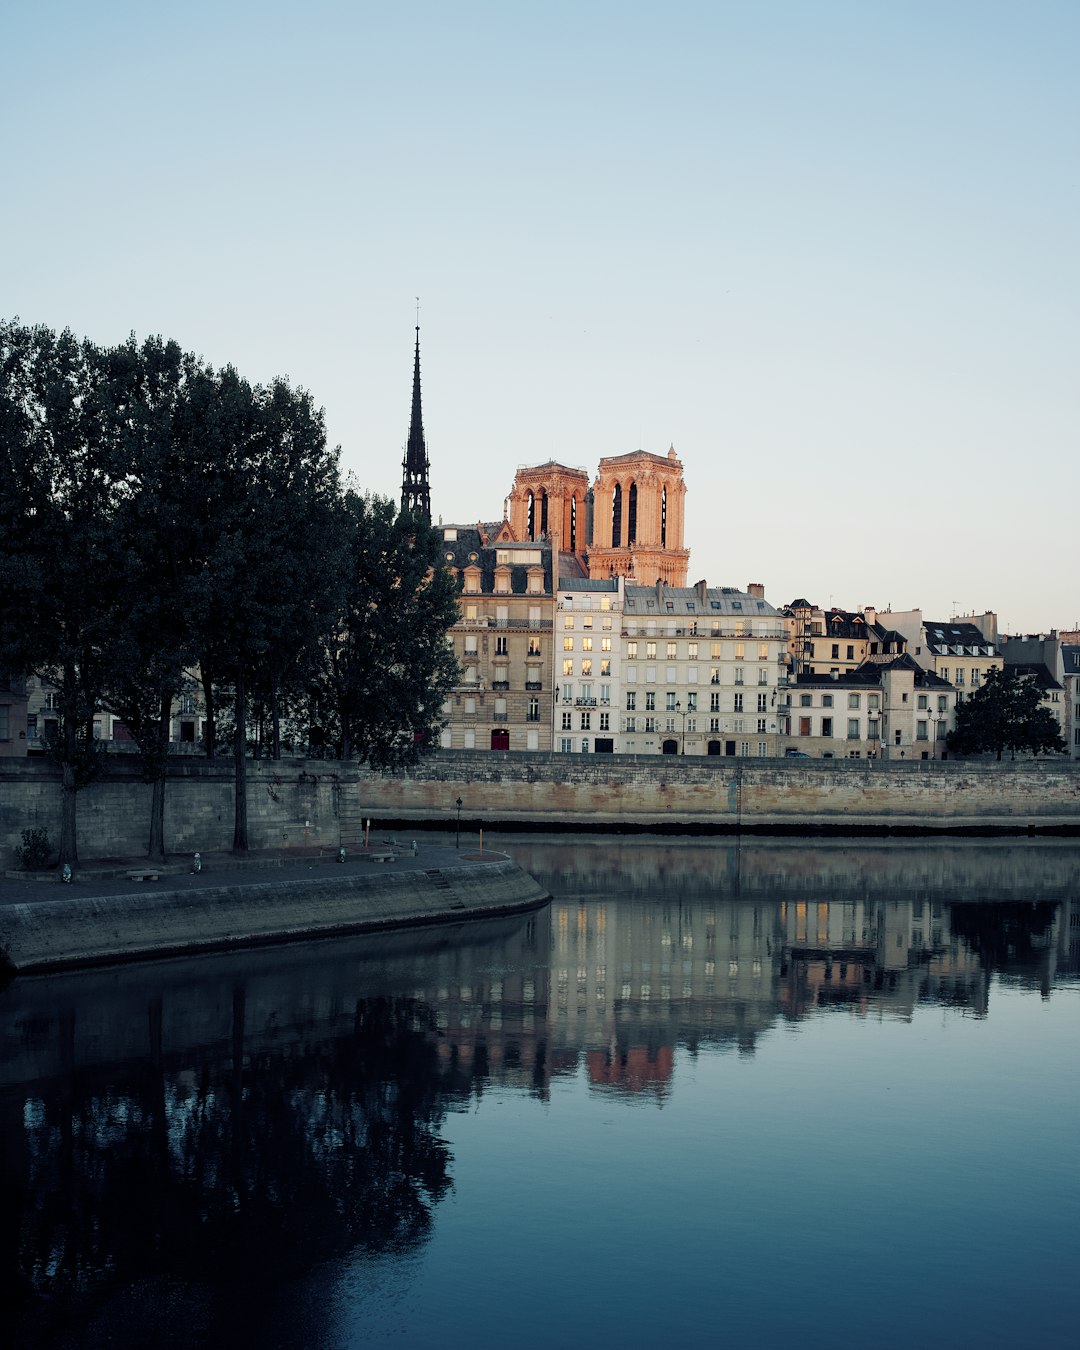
(415, 491)
(638, 506)
(551, 501)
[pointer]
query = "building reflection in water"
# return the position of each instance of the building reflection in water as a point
(208, 1131)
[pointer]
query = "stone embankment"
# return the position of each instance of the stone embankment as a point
(729, 796)
(298, 805)
(95, 921)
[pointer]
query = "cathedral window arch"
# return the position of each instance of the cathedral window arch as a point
(616, 516)
(631, 515)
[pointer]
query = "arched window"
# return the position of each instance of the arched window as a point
(616, 517)
(543, 511)
(631, 516)
(663, 517)
(573, 524)
(530, 518)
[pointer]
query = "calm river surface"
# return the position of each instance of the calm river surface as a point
(776, 1094)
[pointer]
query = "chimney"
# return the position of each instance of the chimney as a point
(871, 614)
(702, 587)
(756, 589)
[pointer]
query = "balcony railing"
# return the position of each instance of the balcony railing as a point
(500, 684)
(533, 685)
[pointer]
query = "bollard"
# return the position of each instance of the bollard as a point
(196, 863)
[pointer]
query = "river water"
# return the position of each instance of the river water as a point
(764, 1094)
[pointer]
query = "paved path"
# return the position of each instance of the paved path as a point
(109, 876)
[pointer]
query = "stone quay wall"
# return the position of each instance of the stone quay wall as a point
(291, 804)
(295, 804)
(573, 792)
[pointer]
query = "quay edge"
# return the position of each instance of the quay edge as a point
(104, 929)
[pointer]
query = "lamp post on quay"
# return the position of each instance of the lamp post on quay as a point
(457, 839)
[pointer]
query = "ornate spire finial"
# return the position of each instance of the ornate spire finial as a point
(415, 491)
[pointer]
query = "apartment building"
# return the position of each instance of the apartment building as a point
(502, 641)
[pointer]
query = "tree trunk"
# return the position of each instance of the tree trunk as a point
(210, 739)
(275, 726)
(69, 851)
(240, 823)
(69, 848)
(157, 800)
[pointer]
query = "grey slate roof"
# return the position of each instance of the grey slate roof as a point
(608, 584)
(467, 550)
(870, 672)
(689, 600)
(942, 637)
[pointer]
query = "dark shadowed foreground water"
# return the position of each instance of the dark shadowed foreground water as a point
(782, 1094)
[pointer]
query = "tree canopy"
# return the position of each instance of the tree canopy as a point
(1006, 712)
(158, 515)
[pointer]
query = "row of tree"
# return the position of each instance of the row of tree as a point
(159, 516)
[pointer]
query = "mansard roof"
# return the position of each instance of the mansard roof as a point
(942, 637)
(608, 584)
(870, 672)
(469, 549)
(697, 600)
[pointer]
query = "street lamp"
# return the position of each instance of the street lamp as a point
(457, 843)
(679, 709)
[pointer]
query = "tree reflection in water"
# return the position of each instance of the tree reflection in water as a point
(194, 1183)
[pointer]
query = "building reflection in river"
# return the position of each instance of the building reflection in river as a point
(195, 1128)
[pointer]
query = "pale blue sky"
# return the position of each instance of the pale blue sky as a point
(830, 250)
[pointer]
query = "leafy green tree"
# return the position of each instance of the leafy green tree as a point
(1005, 713)
(388, 667)
(150, 638)
(267, 486)
(56, 580)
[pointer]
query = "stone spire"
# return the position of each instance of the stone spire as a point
(415, 491)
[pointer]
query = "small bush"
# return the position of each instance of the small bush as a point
(33, 853)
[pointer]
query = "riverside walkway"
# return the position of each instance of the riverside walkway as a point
(104, 914)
